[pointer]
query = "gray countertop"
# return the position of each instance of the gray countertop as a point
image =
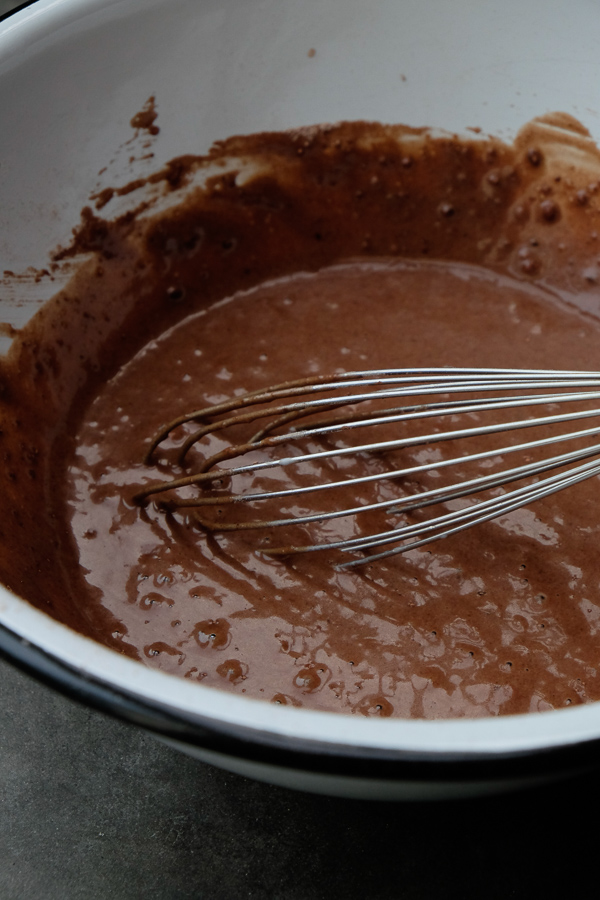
(92, 808)
(6, 6)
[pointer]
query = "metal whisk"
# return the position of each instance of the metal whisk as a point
(407, 409)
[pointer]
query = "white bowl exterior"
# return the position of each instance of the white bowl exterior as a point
(72, 74)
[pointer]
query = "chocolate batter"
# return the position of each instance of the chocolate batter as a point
(457, 252)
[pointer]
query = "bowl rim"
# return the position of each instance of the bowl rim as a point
(506, 747)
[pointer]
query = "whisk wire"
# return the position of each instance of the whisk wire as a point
(417, 386)
(474, 515)
(434, 380)
(238, 450)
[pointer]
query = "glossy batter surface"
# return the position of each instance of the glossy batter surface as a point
(500, 619)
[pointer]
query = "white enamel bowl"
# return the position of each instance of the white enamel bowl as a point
(72, 74)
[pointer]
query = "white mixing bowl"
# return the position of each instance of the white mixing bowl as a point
(72, 74)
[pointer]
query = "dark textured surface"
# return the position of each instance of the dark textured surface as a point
(92, 808)
(7, 5)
